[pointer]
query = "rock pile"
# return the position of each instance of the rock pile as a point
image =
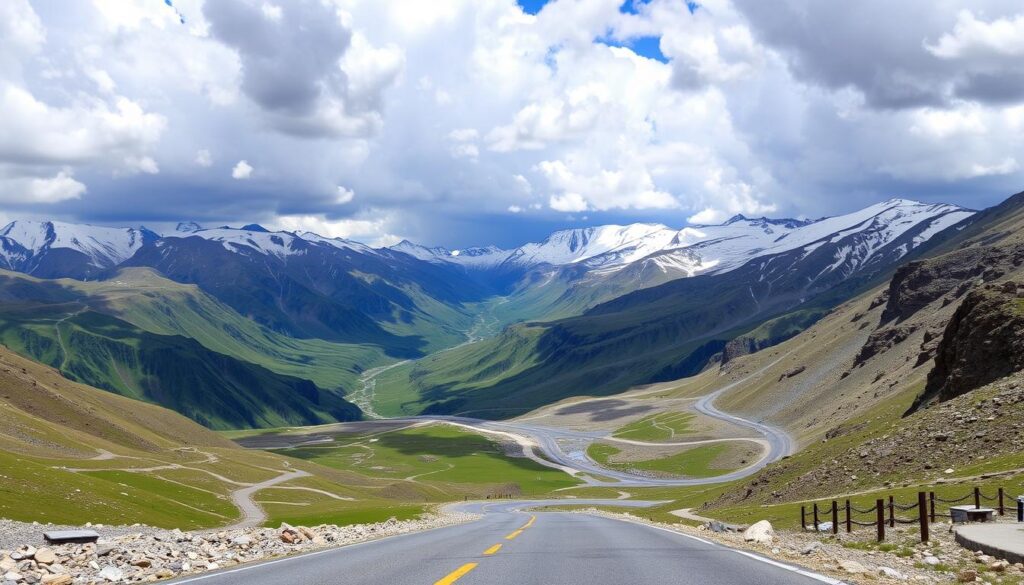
(142, 557)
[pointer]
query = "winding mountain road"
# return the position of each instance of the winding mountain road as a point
(549, 442)
(510, 544)
(252, 513)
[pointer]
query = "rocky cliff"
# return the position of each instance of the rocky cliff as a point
(983, 342)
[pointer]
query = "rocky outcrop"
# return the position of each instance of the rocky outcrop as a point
(987, 423)
(927, 284)
(883, 340)
(916, 285)
(983, 342)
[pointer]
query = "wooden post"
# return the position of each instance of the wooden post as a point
(880, 518)
(835, 517)
(803, 517)
(892, 513)
(849, 521)
(977, 498)
(815, 516)
(931, 507)
(922, 505)
(1002, 509)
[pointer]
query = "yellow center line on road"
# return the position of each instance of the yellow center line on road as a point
(514, 534)
(493, 549)
(530, 523)
(456, 574)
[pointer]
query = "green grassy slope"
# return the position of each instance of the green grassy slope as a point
(702, 461)
(158, 305)
(216, 390)
(444, 462)
(417, 386)
(72, 454)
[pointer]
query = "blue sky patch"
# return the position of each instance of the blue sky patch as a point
(644, 46)
(532, 6)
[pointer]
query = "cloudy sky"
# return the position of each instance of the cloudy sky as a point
(461, 122)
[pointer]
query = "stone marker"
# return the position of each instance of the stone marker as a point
(75, 536)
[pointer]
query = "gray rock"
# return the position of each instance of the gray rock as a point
(760, 532)
(811, 548)
(112, 574)
(891, 573)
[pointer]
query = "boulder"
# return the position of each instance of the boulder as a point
(45, 556)
(760, 532)
(999, 566)
(968, 576)
(56, 579)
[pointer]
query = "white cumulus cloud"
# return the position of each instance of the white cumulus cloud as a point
(241, 171)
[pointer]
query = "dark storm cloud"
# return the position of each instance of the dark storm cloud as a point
(290, 60)
(882, 49)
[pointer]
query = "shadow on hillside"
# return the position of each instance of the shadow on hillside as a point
(604, 410)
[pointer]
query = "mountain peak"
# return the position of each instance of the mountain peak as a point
(255, 227)
(188, 227)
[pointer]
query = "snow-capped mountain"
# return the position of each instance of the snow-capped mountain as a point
(588, 265)
(720, 248)
(52, 249)
(486, 257)
(604, 250)
(559, 249)
(256, 238)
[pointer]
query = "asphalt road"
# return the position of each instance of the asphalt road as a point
(550, 441)
(510, 546)
(565, 449)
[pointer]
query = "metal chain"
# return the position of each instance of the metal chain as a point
(937, 498)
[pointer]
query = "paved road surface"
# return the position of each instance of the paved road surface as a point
(509, 546)
(550, 442)
(565, 449)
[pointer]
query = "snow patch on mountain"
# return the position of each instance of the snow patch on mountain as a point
(24, 241)
(279, 244)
